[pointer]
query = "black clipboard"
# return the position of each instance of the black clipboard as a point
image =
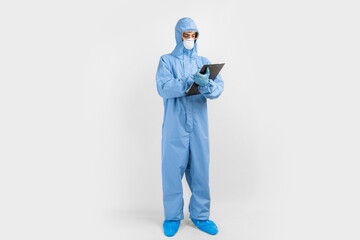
(214, 71)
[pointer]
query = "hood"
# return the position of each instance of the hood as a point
(184, 24)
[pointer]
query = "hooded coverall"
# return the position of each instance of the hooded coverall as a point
(185, 141)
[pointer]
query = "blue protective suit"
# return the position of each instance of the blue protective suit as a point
(185, 141)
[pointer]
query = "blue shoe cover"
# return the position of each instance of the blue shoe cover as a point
(207, 226)
(171, 227)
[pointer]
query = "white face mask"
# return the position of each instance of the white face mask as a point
(189, 43)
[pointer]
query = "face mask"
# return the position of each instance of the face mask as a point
(188, 43)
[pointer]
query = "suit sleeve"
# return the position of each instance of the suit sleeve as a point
(167, 85)
(214, 88)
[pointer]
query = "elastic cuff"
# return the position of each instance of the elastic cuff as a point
(206, 88)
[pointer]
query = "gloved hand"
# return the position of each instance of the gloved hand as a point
(202, 79)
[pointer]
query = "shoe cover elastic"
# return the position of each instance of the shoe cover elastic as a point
(207, 226)
(171, 227)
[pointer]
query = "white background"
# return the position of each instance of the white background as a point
(80, 125)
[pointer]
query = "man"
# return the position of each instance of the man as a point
(185, 142)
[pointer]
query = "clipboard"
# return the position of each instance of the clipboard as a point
(214, 71)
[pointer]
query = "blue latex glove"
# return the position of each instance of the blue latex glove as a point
(202, 79)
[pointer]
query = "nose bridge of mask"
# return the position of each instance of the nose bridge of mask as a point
(189, 39)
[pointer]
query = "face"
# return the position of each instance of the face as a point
(188, 35)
